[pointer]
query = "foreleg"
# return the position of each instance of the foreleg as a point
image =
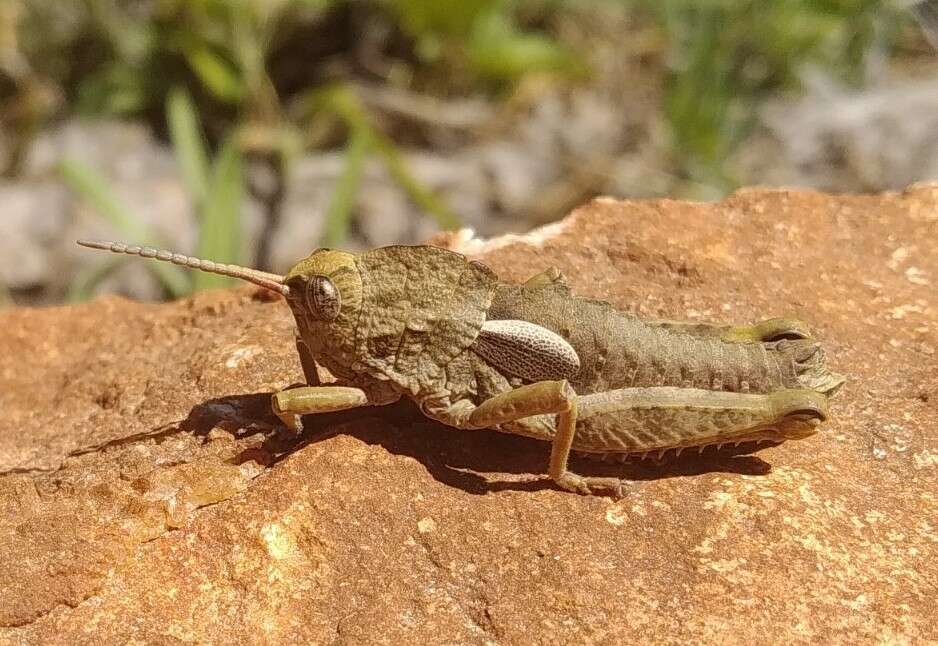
(290, 405)
(307, 362)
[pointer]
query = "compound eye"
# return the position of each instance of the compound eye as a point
(322, 298)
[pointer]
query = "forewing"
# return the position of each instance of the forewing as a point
(526, 350)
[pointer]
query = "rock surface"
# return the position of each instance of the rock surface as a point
(149, 496)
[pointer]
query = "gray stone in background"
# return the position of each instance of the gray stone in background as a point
(140, 172)
(881, 138)
(31, 225)
(43, 218)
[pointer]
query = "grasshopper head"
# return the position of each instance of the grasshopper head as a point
(324, 290)
(325, 287)
(318, 288)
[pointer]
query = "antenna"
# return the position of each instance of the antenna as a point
(273, 282)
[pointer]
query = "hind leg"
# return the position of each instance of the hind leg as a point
(542, 398)
(639, 420)
(769, 330)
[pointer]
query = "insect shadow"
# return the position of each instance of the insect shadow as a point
(473, 461)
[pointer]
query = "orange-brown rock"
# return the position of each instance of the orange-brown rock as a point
(148, 494)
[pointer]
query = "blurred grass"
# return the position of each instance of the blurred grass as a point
(187, 139)
(216, 193)
(339, 101)
(234, 82)
(83, 285)
(338, 218)
(483, 38)
(219, 224)
(721, 57)
(87, 183)
(726, 56)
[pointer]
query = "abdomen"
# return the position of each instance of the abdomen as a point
(617, 350)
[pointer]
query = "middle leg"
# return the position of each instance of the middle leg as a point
(544, 398)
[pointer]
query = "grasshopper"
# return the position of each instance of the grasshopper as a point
(532, 359)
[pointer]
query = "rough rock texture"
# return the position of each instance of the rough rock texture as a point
(149, 495)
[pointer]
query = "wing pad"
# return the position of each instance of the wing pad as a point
(526, 350)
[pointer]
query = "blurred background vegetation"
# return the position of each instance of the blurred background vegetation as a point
(295, 123)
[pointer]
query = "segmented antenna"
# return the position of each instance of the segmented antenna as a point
(273, 282)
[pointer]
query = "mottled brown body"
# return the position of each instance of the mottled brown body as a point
(620, 351)
(533, 359)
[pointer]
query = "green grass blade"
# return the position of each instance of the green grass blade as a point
(343, 199)
(90, 186)
(188, 143)
(498, 50)
(216, 74)
(341, 101)
(83, 285)
(418, 193)
(220, 235)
